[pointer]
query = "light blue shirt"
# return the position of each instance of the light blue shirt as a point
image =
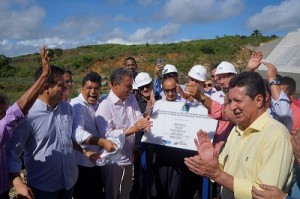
(46, 138)
(281, 111)
(83, 127)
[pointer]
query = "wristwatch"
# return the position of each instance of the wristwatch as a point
(274, 82)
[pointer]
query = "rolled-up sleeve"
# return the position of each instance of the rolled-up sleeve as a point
(79, 132)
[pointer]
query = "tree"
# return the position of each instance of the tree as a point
(58, 52)
(256, 33)
(4, 61)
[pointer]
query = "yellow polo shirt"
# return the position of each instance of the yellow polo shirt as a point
(262, 153)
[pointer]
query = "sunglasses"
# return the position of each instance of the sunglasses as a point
(147, 86)
(69, 81)
(208, 85)
(173, 90)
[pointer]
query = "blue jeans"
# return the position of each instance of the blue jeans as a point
(60, 194)
(295, 185)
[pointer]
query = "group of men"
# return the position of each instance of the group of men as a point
(63, 138)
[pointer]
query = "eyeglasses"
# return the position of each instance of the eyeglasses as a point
(173, 90)
(68, 81)
(147, 86)
(208, 85)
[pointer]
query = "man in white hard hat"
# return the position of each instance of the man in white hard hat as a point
(168, 71)
(198, 75)
(225, 71)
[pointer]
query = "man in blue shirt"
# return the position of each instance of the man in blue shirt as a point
(45, 137)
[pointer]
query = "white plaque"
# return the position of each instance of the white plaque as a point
(175, 124)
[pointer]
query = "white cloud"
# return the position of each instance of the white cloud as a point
(193, 11)
(27, 23)
(279, 17)
(77, 27)
(141, 35)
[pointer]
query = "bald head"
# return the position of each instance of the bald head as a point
(169, 88)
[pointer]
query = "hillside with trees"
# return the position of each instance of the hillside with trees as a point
(17, 72)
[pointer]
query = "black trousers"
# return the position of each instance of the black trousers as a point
(89, 183)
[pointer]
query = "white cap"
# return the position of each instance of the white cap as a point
(142, 79)
(225, 67)
(169, 68)
(198, 72)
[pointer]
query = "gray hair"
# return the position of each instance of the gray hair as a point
(118, 75)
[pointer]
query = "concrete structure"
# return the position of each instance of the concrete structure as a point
(284, 53)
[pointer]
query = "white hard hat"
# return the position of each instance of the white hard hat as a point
(225, 67)
(169, 68)
(142, 79)
(134, 87)
(198, 72)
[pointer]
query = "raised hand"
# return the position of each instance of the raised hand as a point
(272, 71)
(45, 60)
(254, 61)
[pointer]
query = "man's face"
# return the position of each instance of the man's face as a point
(214, 77)
(56, 91)
(68, 83)
(200, 83)
(244, 109)
(122, 90)
(131, 65)
(169, 88)
(223, 80)
(91, 91)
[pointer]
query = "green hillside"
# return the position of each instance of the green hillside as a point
(17, 73)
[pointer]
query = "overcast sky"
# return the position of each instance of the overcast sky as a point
(26, 24)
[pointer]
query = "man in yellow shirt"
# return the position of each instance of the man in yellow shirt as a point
(257, 150)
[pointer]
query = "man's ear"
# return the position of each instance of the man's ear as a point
(115, 84)
(259, 101)
(45, 88)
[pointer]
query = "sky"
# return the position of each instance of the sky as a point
(65, 24)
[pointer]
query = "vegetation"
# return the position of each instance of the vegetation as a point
(17, 72)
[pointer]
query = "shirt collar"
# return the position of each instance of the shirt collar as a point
(256, 126)
(42, 105)
(85, 102)
(115, 99)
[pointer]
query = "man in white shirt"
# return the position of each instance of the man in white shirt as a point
(85, 133)
(119, 114)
